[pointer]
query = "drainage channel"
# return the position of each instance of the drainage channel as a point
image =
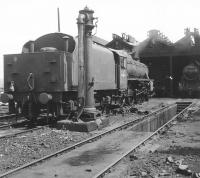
(89, 159)
(151, 125)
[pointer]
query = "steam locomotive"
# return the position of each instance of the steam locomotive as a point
(61, 75)
(47, 77)
(189, 85)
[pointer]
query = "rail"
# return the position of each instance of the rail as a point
(104, 171)
(91, 139)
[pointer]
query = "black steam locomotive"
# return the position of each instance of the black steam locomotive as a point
(189, 85)
(46, 75)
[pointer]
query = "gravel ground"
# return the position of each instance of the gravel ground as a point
(19, 150)
(175, 153)
(22, 149)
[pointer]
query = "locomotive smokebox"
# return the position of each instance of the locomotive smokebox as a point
(85, 26)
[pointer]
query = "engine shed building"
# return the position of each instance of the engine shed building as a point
(166, 60)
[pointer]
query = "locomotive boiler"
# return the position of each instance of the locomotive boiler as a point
(61, 74)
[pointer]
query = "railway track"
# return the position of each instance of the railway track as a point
(7, 116)
(9, 120)
(20, 126)
(181, 108)
(89, 140)
(12, 120)
(18, 132)
(10, 125)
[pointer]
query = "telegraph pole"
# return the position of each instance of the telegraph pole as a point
(58, 12)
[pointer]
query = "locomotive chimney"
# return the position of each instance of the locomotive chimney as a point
(85, 35)
(32, 46)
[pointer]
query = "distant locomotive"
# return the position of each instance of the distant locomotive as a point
(189, 85)
(46, 75)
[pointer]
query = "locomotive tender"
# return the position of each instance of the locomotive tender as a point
(50, 74)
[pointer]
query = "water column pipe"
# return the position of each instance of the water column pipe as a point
(81, 75)
(87, 41)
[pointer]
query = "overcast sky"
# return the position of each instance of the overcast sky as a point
(24, 20)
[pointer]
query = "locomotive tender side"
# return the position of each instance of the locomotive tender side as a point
(41, 71)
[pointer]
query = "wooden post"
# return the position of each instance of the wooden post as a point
(171, 75)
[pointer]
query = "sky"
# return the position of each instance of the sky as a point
(24, 20)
